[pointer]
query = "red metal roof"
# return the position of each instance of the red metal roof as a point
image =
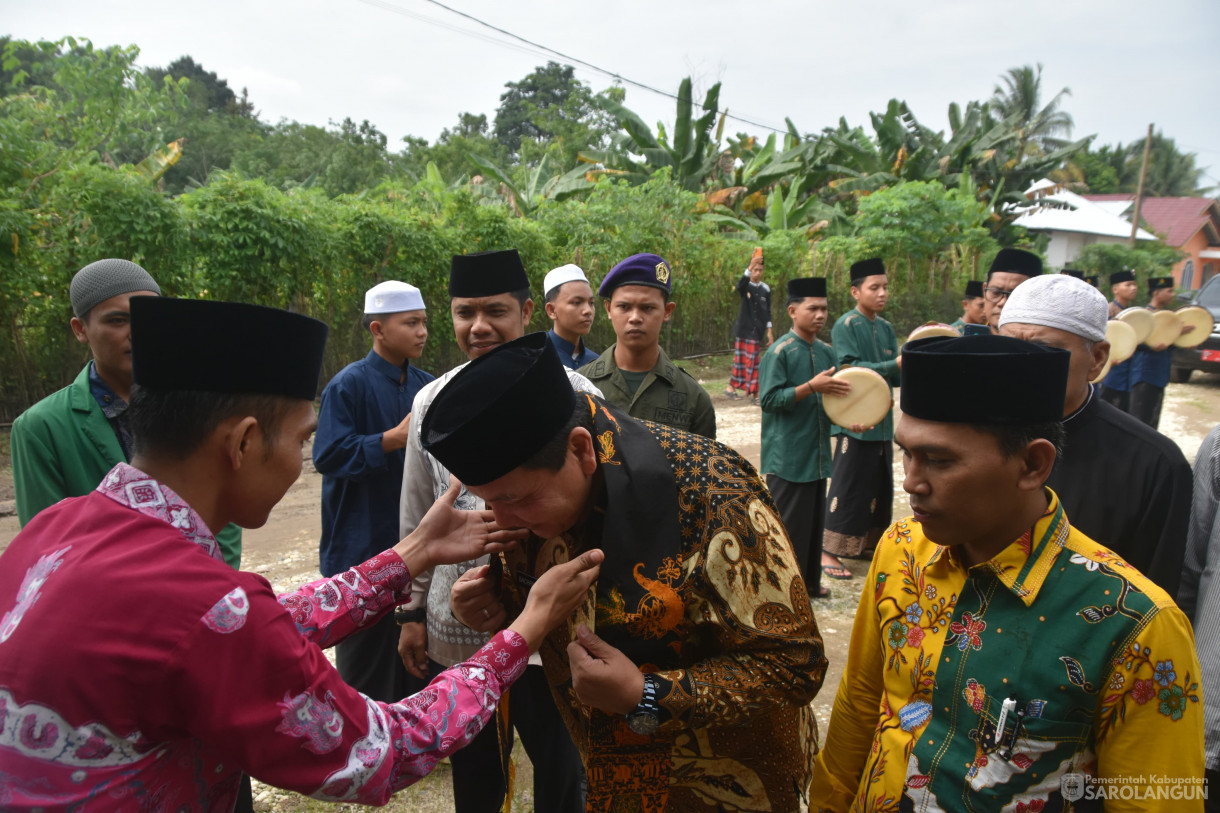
(1178, 219)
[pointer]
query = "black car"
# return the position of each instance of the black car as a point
(1205, 357)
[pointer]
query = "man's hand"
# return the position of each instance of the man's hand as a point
(475, 601)
(394, 439)
(413, 648)
(447, 535)
(602, 676)
(825, 382)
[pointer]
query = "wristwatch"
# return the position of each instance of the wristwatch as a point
(646, 717)
(404, 616)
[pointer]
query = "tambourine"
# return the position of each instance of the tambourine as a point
(869, 401)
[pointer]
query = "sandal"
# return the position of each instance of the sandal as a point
(824, 592)
(731, 394)
(836, 571)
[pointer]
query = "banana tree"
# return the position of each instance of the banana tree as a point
(693, 153)
(542, 183)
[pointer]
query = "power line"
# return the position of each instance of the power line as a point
(540, 49)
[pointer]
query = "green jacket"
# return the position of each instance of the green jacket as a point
(668, 395)
(63, 446)
(863, 342)
(795, 435)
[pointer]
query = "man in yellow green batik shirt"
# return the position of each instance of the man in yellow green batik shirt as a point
(1000, 659)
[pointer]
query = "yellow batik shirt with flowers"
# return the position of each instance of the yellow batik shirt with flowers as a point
(982, 688)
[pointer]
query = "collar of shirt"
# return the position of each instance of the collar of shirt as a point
(127, 485)
(112, 405)
(1022, 567)
(565, 346)
(395, 374)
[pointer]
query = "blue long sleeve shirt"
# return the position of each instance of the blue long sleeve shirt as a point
(360, 482)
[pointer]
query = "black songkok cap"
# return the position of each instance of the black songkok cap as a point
(1157, 283)
(499, 410)
(1092, 279)
(867, 268)
(231, 347)
(1122, 276)
(983, 380)
(1016, 261)
(974, 289)
(806, 286)
(487, 273)
(1071, 272)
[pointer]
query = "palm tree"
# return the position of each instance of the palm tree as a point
(1020, 95)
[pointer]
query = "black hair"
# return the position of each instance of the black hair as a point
(172, 424)
(522, 295)
(1013, 438)
(794, 300)
(368, 319)
(552, 455)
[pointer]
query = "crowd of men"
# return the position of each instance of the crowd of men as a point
(549, 543)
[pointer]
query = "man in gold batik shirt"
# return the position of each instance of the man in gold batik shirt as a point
(686, 678)
(1000, 659)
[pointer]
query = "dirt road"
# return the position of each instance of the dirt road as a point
(285, 551)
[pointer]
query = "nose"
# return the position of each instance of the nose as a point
(912, 481)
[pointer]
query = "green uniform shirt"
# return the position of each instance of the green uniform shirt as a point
(959, 325)
(63, 446)
(669, 394)
(795, 435)
(862, 342)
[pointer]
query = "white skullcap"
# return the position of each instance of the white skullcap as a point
(1059, 301)
(560, 275)
(393, 296)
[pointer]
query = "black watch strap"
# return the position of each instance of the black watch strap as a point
(404, 616)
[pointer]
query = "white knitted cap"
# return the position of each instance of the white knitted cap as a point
(1058, 301)
(560, 275)
(393, 296)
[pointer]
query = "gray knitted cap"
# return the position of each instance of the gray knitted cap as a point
(99, 281)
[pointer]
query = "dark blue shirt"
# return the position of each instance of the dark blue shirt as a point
(1151, 367)
(571, 355)
(360, 482)
(113, 407)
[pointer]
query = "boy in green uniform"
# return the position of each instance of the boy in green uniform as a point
(634, 373)
(795, 429)
(862, 486)
(974, 310)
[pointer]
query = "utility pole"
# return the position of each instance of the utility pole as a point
(1139, 191)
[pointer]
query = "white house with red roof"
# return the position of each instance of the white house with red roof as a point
(1073, 222)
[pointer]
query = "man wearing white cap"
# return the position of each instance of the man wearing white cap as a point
(359, 451)
(569, 303)
(1122, 483)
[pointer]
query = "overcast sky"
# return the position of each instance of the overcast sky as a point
(410, 66)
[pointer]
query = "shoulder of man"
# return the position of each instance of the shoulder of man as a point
(602, 366)
(582, 384)
(51, 409)
(782, 345)
(1129, 430)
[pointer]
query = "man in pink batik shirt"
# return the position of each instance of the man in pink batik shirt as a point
(138, 671)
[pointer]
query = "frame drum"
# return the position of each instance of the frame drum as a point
(869, 401)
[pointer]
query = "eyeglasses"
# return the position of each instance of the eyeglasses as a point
(996, 294)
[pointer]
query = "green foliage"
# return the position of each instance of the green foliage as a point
(1146, 259)
(550, 114)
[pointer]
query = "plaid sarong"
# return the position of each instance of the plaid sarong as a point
(745, 366)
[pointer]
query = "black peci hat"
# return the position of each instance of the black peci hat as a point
(499, 410)
(867, 268)
(974, 289)
(1122, 276)
(989, 380)
(230, 347)
(487, 273)
(802, 287)
(1016, 261)
(1157, 283)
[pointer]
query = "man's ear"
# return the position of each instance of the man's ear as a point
(549, 307)
(1037, 461)
(580, 443)
(669, 309)
(78, 329)
(527, 310)
(1101, 354)
(239, 439)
